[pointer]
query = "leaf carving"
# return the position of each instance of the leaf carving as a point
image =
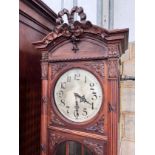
(97, 147)
(97, 127)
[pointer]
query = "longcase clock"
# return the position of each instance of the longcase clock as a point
(80, 87)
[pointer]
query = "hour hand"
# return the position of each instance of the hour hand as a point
(77, 95)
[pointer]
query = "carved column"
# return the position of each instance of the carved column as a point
(113, 77)
(44, 102)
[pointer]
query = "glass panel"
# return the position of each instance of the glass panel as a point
(61, 149)
(74, 148)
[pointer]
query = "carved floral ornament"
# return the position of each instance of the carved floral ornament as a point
(73, 30)
(97, 66)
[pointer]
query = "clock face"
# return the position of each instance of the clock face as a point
(78, 95)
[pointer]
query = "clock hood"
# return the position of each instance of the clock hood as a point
(82, 39)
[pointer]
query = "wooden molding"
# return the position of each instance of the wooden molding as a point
(80, 133)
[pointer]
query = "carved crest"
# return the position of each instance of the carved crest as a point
(71, 30)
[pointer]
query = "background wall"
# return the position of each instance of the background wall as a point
(127, 119)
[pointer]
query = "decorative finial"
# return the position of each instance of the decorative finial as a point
(72, 28)
(70, 15)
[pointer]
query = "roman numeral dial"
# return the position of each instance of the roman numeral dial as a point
(78, 95)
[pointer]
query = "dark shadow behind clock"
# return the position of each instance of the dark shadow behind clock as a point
(35, 21)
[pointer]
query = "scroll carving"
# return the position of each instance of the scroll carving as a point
(55, 120)
(113, 50)
(54, 139)
(97, 147)
(56, 68)
(97, 66)
(97, 127)
(44, 70)
(112, 68)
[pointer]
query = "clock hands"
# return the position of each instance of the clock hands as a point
(82, 98)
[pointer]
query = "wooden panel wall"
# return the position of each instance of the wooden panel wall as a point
(35, 21)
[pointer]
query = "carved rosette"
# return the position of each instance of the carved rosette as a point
(56, 68)
(97, 147)
(112, 68)
(54, 139)
(44, 70)
(113, 51)
(97, 66)
(55, 120)
(98, 127)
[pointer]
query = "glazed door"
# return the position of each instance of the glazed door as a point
(72, 148)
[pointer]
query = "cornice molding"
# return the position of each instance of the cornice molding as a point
(75, 30)
(41, 8)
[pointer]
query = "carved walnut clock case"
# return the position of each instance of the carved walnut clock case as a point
(80, 86)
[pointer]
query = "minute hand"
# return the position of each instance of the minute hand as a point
(83, 99)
